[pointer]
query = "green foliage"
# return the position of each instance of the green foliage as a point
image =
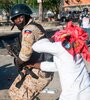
(52, 5)
(32, 3)
(5, 4)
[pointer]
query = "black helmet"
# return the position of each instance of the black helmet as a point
(20, 9)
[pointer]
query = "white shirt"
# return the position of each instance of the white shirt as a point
(86, 22)
(74, 77)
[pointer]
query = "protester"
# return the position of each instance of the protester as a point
(68, 51)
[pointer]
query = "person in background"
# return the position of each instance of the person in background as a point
(69, 51)
(86, 27)
(86, 24)
(85, 21)
(50, 15)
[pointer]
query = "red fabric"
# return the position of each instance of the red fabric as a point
(74, 35)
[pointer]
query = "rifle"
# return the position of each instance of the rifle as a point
(12, 53)
(10, 50)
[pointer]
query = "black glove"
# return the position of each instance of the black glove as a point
(19, 63)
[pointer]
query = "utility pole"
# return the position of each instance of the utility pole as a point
(61, 8)
(40, 10)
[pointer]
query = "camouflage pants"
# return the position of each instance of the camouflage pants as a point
(30, 87)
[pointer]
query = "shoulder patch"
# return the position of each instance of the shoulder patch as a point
(27, 32)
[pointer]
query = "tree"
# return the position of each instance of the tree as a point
(5, 4)
(54, 5)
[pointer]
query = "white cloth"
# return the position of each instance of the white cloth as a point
(52, 67)
(74, 77)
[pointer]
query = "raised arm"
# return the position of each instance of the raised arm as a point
(44, 45)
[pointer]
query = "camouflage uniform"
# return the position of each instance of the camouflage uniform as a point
(30, 34)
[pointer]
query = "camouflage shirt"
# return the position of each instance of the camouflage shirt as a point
(30, 34)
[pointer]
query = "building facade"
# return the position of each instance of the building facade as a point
(79, 4)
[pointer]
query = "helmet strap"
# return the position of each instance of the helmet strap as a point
(27, 18)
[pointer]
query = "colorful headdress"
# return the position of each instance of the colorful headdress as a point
(76, 37)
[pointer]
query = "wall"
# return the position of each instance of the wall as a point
(72, 3)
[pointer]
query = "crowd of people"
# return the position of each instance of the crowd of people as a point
(68, 49)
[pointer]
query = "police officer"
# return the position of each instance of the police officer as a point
(31, 31)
